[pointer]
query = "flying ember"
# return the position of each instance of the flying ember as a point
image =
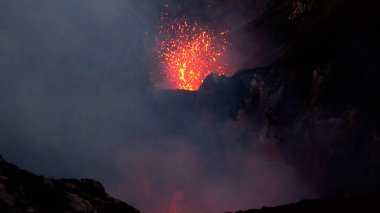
(189, 52)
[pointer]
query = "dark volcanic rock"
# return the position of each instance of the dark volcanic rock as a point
(22, 191)
(350, 205)
(317, 100)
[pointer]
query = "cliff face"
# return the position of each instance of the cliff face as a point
(336, 149)
(317, 89)
(22, 191)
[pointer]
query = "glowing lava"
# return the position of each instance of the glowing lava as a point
(189, 52)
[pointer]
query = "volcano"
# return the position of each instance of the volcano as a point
(296, 122)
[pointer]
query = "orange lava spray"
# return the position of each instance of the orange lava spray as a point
(188, 52)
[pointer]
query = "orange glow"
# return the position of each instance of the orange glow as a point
(188, 53)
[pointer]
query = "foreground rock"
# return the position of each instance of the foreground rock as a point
(329, 205)
(22, 191)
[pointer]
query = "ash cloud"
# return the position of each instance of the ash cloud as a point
(76, 101)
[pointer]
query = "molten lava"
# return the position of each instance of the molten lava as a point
(189, 52)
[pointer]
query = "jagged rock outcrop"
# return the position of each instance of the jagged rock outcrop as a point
(22, 191)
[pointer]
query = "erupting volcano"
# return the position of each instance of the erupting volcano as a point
(188, 52)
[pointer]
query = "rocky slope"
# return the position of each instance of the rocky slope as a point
(350, 205)
(22, 191)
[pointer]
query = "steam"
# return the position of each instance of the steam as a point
(77, 102)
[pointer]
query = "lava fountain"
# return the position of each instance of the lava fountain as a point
(189, 52)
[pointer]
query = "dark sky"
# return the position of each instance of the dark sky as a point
(76, 102)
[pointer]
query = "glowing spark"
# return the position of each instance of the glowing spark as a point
(188, 53)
